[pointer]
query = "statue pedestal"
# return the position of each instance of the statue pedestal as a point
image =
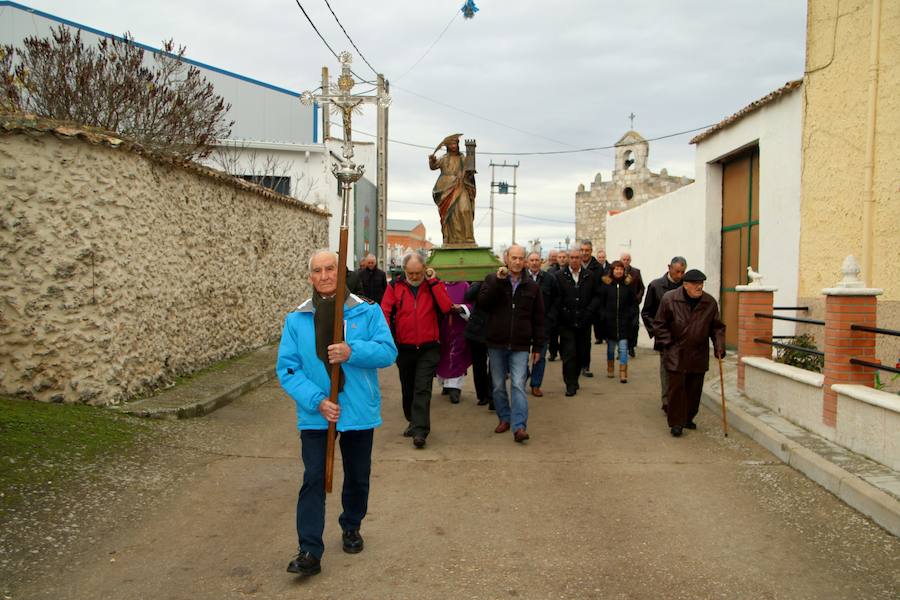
(456, 262)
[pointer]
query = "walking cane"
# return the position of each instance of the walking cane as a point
(722, 388)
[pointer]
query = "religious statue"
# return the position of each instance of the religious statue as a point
(454, 191)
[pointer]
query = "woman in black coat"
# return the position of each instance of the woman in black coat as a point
(619, 308)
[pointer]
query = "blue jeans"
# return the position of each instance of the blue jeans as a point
(537, 371)
(356, 455)
(623, 350)
(511, 407)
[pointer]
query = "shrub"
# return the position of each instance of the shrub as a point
(796, 358)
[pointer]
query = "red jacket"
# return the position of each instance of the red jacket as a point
(413, 319)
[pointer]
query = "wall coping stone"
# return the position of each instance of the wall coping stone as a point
(869, 395)
(29, 124)
(756, 288)
(795, 373)
(847, 291)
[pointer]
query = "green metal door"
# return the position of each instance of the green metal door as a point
(740, 232)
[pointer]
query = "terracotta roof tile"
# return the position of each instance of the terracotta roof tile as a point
(753, 106)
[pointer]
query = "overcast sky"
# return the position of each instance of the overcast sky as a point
(522, 76)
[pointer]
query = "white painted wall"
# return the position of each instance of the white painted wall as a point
(691, 217)
(655, 232)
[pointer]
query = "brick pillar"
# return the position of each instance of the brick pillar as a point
(847, 304)
(753, 299)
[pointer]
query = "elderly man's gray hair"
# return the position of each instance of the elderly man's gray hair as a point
(678, 260)
(418, 255)
(317, 253)
(587, 243)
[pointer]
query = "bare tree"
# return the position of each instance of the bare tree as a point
(168, 106)
(266, 169)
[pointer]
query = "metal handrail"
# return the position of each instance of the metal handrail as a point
(865, 363)
(806, 308)
(789, 347)
(793, 319)
(875, 329)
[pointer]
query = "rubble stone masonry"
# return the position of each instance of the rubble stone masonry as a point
(119, 271)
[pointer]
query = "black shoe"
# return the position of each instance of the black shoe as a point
(587, 373)
(690, 425)
(454, 395)
(481, 402)
(491, 405)
(305, 564)
(598, 342)
(419, 441)
(570, 390)
(445, 391)
(551, 358)
(676, 431)
(408, 431)
(631, 353)
(665, 408)
(353, 542)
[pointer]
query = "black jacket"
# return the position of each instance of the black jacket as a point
(619, 308)
(374, 283)
(550, 290)
(637, 283)
(578, 304)
(516, 321)
(476, 326)
(655, 291)
(595, 267)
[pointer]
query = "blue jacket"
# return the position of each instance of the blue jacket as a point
(305, 378)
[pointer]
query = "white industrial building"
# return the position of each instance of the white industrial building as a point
(275, 140)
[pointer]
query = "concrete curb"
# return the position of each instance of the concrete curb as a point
(205, 405)
(854, 491)
(209, 391)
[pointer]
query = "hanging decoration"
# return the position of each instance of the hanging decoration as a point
(469, 9)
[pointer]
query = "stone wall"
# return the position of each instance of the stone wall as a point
(120, 270)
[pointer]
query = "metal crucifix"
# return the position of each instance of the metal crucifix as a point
(347, 173)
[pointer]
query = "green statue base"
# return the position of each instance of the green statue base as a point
(463, 263)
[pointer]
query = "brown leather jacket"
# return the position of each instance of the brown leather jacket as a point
(683, 334)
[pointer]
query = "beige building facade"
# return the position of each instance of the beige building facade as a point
(851, 142)
(632, 184)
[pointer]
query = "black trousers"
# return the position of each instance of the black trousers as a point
(553, 344)
(598, 329)
(575, 350)
(684, 397)
(633, 337)
(417, 367)
(481, 371)
(356, 454)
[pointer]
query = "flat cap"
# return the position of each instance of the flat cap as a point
(694, 275)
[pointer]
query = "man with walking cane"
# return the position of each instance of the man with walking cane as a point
(305, 356)
(687, 319)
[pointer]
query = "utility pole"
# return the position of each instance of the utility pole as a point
(502, 187)
(381, 174)
(326, 115)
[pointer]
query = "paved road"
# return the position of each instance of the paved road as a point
(601, 503)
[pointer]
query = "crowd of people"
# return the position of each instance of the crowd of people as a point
(505, 327)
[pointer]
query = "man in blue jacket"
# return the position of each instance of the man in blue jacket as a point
(307, 348)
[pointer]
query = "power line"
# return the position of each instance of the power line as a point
(328, 4)
(518, 214)
(549, 152)
(433, 44)
(471, 114)
(324, 41)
